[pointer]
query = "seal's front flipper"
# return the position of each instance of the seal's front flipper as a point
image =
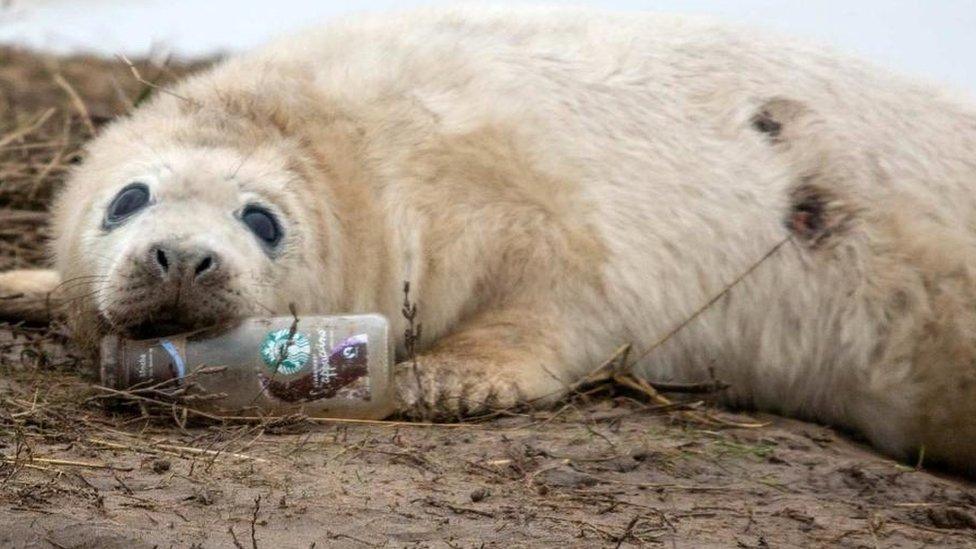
(27, 295)
(498, 360)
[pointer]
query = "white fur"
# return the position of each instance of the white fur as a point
(558, 182)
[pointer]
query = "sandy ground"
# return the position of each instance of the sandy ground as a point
(605, 469)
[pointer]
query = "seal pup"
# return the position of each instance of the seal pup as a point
(555, 183)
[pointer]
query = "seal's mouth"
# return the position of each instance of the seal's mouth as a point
(168, 322)
(154, 329)
(163, 322)
(156, 312)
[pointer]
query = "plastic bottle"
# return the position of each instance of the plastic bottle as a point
(322, 366)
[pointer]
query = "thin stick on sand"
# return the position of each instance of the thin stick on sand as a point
(66, 462)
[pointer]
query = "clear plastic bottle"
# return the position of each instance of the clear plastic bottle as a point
(322, 366)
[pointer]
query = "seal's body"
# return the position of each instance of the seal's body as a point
(555, 184)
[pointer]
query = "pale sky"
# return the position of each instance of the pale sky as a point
(934, 39)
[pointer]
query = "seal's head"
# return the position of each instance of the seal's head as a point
(182, 217)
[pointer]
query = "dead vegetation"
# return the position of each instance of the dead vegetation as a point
(618, 464)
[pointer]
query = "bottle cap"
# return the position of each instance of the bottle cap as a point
(109, 361)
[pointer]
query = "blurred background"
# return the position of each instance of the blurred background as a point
(934, 39)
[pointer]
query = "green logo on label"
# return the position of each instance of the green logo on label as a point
(285, 360)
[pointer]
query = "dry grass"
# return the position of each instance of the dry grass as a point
(49, 107)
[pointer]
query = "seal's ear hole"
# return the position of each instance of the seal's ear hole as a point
(777, 116)
(763, 122)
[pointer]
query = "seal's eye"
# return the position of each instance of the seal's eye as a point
(130, 200)
(263, 224)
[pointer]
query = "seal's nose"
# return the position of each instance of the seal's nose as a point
(190, 264)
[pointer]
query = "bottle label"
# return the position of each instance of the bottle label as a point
(286, 351)
(154, 361)
(300, 368)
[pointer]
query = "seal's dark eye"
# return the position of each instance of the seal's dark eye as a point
(263, 224)
(130, 200)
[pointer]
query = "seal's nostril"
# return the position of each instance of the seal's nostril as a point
(206, 264)
(162, 260)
